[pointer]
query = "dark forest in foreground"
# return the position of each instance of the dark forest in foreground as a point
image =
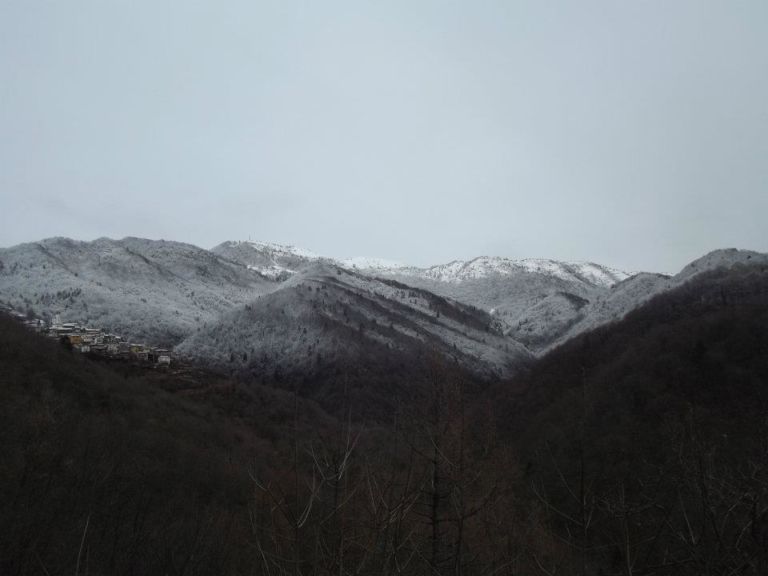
(639, 448)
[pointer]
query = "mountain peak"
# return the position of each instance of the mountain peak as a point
(272, 247)
(725, 257)
(366, 263)
(278, 261)
(489, 266)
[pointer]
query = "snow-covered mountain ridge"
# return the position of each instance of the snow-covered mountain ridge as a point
(535, 300)
(330, 315)
(272, 260)
(539, 302)
(631, 293)
(486, 266)
(488, 313)
(153, 290)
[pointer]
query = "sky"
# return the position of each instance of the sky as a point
(629, 133)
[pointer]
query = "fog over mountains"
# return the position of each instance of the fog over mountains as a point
(261, 306)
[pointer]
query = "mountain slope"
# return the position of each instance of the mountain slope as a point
(274, 261)
(154, 290)
(167, 292)
(282, 261)
(147, 480)
(329, 315)
(536, 300)
(484, 267)
(653, 427)
(626, 296)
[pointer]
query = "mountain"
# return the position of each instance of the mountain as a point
(149, 469)
(490, 314)
(724, 258)
(327, 315)
(540, 303)
(347, 415)
(281, 261)
(274, 261)
(654, 428)
(535, 300)
(144, 289)
(629, 294)
(485, 267)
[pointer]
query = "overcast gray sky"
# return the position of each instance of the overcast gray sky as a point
(631, 133)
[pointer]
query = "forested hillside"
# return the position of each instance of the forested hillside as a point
(645, 443)
(113, 471)
(638, 448)
(152, 290)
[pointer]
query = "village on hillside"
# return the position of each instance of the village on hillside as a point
(92, 341)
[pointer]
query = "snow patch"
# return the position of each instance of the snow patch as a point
(284, 249)
(365, 263)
